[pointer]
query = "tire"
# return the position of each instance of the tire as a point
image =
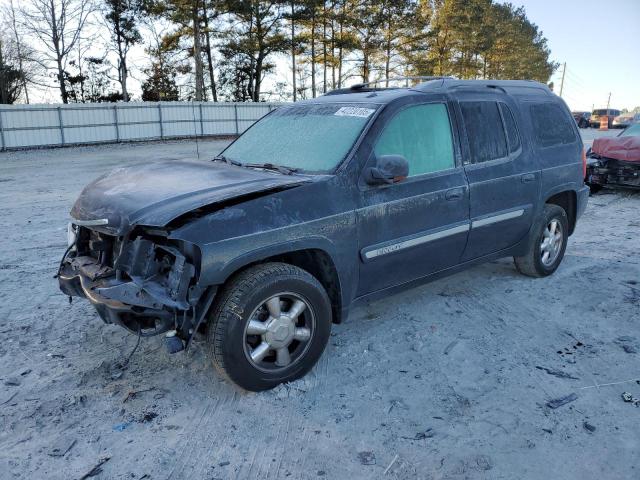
(243, 322)
(533, 264)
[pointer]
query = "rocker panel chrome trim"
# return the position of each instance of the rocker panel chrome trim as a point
(373, 252)
(497, 218)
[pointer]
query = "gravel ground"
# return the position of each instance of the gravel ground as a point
(449, 380)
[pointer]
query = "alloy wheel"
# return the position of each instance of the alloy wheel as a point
(279, 331)
(551, 244)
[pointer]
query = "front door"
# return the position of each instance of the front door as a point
(418, 226)
(503, 175)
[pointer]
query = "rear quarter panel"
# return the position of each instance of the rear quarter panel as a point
(560, 165)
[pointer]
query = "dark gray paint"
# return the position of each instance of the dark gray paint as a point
(252, 215)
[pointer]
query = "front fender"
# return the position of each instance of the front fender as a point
(335, 235)
(282, 248)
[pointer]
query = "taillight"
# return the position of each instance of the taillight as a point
(584, 163)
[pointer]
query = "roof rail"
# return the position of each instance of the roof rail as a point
(370, 86)
(424, 78)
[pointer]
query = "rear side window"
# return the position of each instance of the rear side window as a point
(551, 125)
(487, 140)
(510, 126)
(422, 135)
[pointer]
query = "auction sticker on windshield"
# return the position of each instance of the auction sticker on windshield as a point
(354, 112)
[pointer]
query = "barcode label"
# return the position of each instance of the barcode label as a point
(354, 112)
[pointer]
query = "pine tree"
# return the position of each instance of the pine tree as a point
(121, 17)
(254, 34)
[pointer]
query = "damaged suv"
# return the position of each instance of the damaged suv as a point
(322, 204)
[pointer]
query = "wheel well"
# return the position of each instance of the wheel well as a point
(567, 200)
(319, 264)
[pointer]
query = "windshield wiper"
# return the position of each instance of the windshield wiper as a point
(270, 166)
(267, 166)
(222, 158)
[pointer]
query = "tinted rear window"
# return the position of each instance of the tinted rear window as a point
(551, 125)
(487, 140)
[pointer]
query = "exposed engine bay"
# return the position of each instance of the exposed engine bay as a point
(142, 281)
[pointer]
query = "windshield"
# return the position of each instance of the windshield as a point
(632, 131)
(309, 137)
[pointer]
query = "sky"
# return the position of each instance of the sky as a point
(598, 40)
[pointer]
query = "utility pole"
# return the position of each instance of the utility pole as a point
(608, 101)
(564, 70)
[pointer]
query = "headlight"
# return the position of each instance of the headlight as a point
(72, 234)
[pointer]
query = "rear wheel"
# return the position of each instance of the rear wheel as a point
(270, 325)
(548, 244)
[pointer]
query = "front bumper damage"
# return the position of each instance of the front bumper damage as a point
(148, 287)
(608, 172)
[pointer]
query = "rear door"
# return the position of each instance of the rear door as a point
(503, 175)
(410, 229)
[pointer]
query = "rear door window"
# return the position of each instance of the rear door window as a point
(510, 126)
(421, 134)
(487, 139)
(551, 126)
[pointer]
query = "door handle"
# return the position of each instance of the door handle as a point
(528, 177)
(454, 194)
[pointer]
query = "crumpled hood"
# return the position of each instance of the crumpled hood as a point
(156, 193)
(619, 148)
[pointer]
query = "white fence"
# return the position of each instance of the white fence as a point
(24, 126)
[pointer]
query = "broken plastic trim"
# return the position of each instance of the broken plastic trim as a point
(90, 223)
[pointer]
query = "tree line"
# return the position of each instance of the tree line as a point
(254, 50)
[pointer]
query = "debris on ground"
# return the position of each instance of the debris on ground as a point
(9, 399)
(587, 426)
(390, 465)
(367, 458)
(95, 470)
(134, 393)
(428, 433)
(119, 427)
(627, 397)
(62, 447)
(12, 382)
(627, 344)
(147, 416)
(450, 347)
(558, 402)
(557, 373)
(571, 349)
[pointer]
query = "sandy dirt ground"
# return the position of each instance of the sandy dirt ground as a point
(447, 381)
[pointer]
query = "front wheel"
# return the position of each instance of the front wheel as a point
(270, 325)
(550, 236)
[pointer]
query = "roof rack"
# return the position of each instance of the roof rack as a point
(370, 86)
(424, 78)
(427, 84)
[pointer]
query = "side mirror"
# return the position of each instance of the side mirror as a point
(389, 169)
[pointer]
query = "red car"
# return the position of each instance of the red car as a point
(615, 161)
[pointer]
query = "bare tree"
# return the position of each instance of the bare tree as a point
(58, 25)
(21, 51)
